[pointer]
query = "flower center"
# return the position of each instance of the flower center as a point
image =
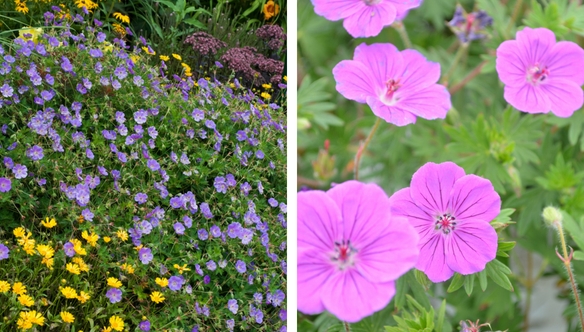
(371, 2)
(445, 223)
(344, 255)
(389, 97)
(537, 74)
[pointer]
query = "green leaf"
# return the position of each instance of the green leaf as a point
(469, 284)
(456, 283)
(441, 315)
(483, 279)
(498, 272)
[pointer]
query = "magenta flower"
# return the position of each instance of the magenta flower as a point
(350, 250)
(398, 86)
(541, 75)
(364, 18)
(451, 212)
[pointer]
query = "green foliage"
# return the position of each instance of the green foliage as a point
(313, 105)
(417, 318)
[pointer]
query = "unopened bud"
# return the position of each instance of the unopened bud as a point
(552, 216)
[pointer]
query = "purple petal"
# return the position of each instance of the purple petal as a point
(384, 61)
(319, 221)
(473, 199)
(566, 60)
(314, 271)
(430, 103)
(535, 44)
(431, 186)
(351, 297)
(391, 254)
(418, 73)
(402, 205)
(528, 98)
(391, 114)
(511, 67)
(470, 247)
(354, 80)
(432, 259)
(370, 20)
(337, 9)
(566, 97)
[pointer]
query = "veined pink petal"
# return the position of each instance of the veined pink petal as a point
(402, 205)
(404, 5)
(417, 73)
(565, 96)
(319, 221)
(535, 44)
(566, 61)
(510, 66)
(364, 208)
(384, 61)
(391, 114)
(354, 80)
(337, 9)
(432, 259)
(471, 246)
(473, 199)
(391, 254)
(433, 102)
(314, 273)
(432, 183)
(527, 98)
(369, 21)
(351, 297)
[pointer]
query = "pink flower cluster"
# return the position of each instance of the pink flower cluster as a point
(252, 65)
(204, 43)
(273, 35)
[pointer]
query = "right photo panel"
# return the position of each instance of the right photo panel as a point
(440, 165)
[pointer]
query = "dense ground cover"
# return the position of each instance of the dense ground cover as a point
(132, 196)
(383, 114)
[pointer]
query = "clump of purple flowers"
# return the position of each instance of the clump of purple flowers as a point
(204, 43)
(273, 35)
(253, 66)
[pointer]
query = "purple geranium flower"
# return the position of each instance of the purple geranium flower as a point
(153, 165)
(541, 75)
(20, 171)
(350, 250)
(5, 185)
(114, 295)
(232, 306)
(240, 266)
(206, 211)
(35, 153)
(4, 251)
(141, 198)
(145, 255)
(203, 235)
(451, 211)
(398, 86)
(179, 228)
(364, 18)
(68, 248)
(220, 185)
(273, 202)
(144, 325)
(215, 231)
(206, 279)
(211, 265)
(175, 283)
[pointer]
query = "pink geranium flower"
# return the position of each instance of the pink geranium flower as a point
(350, 250)
(452, 213)
(364, 18)
(541, 75)
(398, 86)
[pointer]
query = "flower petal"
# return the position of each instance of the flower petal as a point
(433, 102)
(473, 198)
(351, 297)
(432, 259)
(511, 67)
(384, 61)
(431, 186)
(565, 96)
(391, 254)
(335, 10)
(535, 44)
(402, 205)
(369, 21)
(354, 80)
(527, 98)
(364, 208)
(313, 273)
(319, 221)
(470, 247)
(418, 73)
(391, 114)
(566, 60)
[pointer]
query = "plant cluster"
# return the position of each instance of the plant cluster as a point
(133, 198)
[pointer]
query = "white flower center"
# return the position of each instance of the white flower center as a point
(537, 74)
(344, 255)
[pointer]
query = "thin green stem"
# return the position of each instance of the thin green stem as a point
(567, 262)
(403, 33)
(461, 51)
(529, 287)
(363, 147)
(347, 328)
(518, 5)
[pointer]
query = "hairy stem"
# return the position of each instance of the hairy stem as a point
(474, 73)
(347, 328)
(403, 33)
(363, 147)
(461, 51)
(529, 286)
(567, 262)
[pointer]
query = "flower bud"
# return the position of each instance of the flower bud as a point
(552, 216)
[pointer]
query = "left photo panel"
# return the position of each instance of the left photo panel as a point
(143, 172)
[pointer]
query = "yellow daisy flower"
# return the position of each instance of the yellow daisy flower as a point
(107, 239)
(176, 56)
(82, 265)
(114, 282)
(91, 239)
(25, 300)
(19, 232)
(67, 317)
(116, 323)
(18, 288)
(162, 282)
(122, 18)
(157, 297)
(4, 286)
(73, 268)
(122, 235)
(69, 292)
(83, 297)
(148, 51)
(164, 58)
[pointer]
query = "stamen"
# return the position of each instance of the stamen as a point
(445, 223)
